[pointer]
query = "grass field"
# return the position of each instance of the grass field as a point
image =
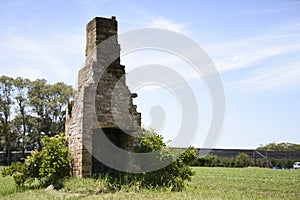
(208, 183)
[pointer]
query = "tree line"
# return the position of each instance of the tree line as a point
(243, 160)
(30, 110)
(284, 146)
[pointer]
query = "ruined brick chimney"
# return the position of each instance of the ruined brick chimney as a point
(102, 93)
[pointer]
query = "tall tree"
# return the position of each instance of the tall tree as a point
(29, 110)
(21, 86)
(37, 95)
(48, 103)
(6, 103)
(60, 94)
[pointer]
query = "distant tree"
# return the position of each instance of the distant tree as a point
(29, 110)
(20, 124)
(284, 146)
(32, 133)
(59, 95)
(48, 103)
(6, 103)
(37, 95)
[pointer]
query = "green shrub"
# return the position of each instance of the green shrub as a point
(190, 156)
(172, 176)
(227, 162)
(261, 162)
(48, 166)
(215, 161)
(210, 161)
(16, 170)
(52, 165)
(283, 163)
(243, 160)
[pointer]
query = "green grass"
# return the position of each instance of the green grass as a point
(208, 183)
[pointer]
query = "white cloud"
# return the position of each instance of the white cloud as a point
(272, 56)
(279, 42)
(278, 77)
(240, 54)
(55, 58)
(163, 23)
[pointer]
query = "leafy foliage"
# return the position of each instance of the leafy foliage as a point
(243, 160)
(209, 161)
(52, 164)
(47, 102)
(20, 122)
(172, 176)
(283, 163)
(215, 161)
(6, 103)
(284, 146)
(48, 166)
(28, 111)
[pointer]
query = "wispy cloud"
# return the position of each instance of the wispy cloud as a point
(270, 55)
(264, 62)
(265, 11)
(146, 59)
(234, 55)
(278, 77)
(55, 59)
(163, 23)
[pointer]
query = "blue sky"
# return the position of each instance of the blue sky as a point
(254, 44)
